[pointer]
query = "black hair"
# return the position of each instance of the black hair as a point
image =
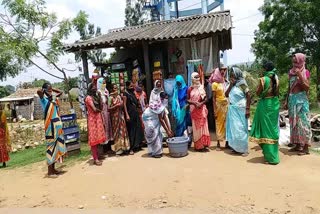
(269, 66)
(128, 83)
(46, 85)
(163, 95)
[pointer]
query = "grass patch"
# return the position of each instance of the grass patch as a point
(26, 157)
(35, 155)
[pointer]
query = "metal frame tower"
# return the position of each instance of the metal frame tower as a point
(160, 10)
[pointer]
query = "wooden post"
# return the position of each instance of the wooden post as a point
(147, 67)
(84, 58)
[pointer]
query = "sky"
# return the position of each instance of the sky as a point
(109, 14)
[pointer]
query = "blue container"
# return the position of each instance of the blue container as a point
(178, 146)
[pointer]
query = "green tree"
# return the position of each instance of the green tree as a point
(26, 27)
(87, 31)
(37, 83)
(10, 88)
(288, 27)
(135, 15)
(4, 92)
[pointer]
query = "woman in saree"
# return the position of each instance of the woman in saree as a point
(120, 135)
(134, 127)
(298, 105)
(155, 93)
(153, 118)
(96, 131)
(56, 147)
(179, 106)
(101, 86)
(265, 126)
(5, 144)
(220, 103)
(199, 113)
(238, 112)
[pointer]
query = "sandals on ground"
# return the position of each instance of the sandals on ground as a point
(97, 163)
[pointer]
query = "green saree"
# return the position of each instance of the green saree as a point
(265, 128)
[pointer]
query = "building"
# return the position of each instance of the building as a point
(26, 104)
(167, 45)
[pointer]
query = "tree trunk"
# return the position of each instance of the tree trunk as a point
(66, 82)
(84, 58)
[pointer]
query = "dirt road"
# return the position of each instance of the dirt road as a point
(213, 182)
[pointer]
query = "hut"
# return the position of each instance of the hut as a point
(24, 103)
(170, 47)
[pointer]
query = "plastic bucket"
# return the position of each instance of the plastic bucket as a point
(178, 146)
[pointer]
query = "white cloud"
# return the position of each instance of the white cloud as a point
(61, 9)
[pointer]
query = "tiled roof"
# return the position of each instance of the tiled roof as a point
(163, 30)
(21, 94)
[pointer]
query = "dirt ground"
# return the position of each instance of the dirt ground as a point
(213, 182)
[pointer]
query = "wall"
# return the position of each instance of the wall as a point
(38, 112)
(25, 111)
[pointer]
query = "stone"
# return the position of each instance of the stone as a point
(27, 146)
(19, 147)
(80, 207)
(36, 144)
(14, 150)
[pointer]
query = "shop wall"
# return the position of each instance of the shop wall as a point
(130, 54)
(179, 52)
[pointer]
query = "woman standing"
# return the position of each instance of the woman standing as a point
(220, 103)
(297, 101)
(96, 132)
(153, 118)
(199, 113)
(265, 129)
(120, 136)
(101, 85)
(179, 105)
(134, 128)
(56, 147)
(238, 112)
(5, 145)
(142, 100)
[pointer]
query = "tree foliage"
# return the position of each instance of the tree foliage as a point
(288, 27)
(4, 92)
(25, 29)
(135, 15)
(87, 31)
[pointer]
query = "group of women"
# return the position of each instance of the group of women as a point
(231, 101)
(115, 117)
(128, 120)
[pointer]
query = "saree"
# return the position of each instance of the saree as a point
(56, 147)
(179, 106)
(221, 108)
(201, 135)
(152, 132)
(142, 98)
(96, 130)
(237, 123)
(5, 143)
(300, 128)
(265, 125)
(119, 130)
(134, 127)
